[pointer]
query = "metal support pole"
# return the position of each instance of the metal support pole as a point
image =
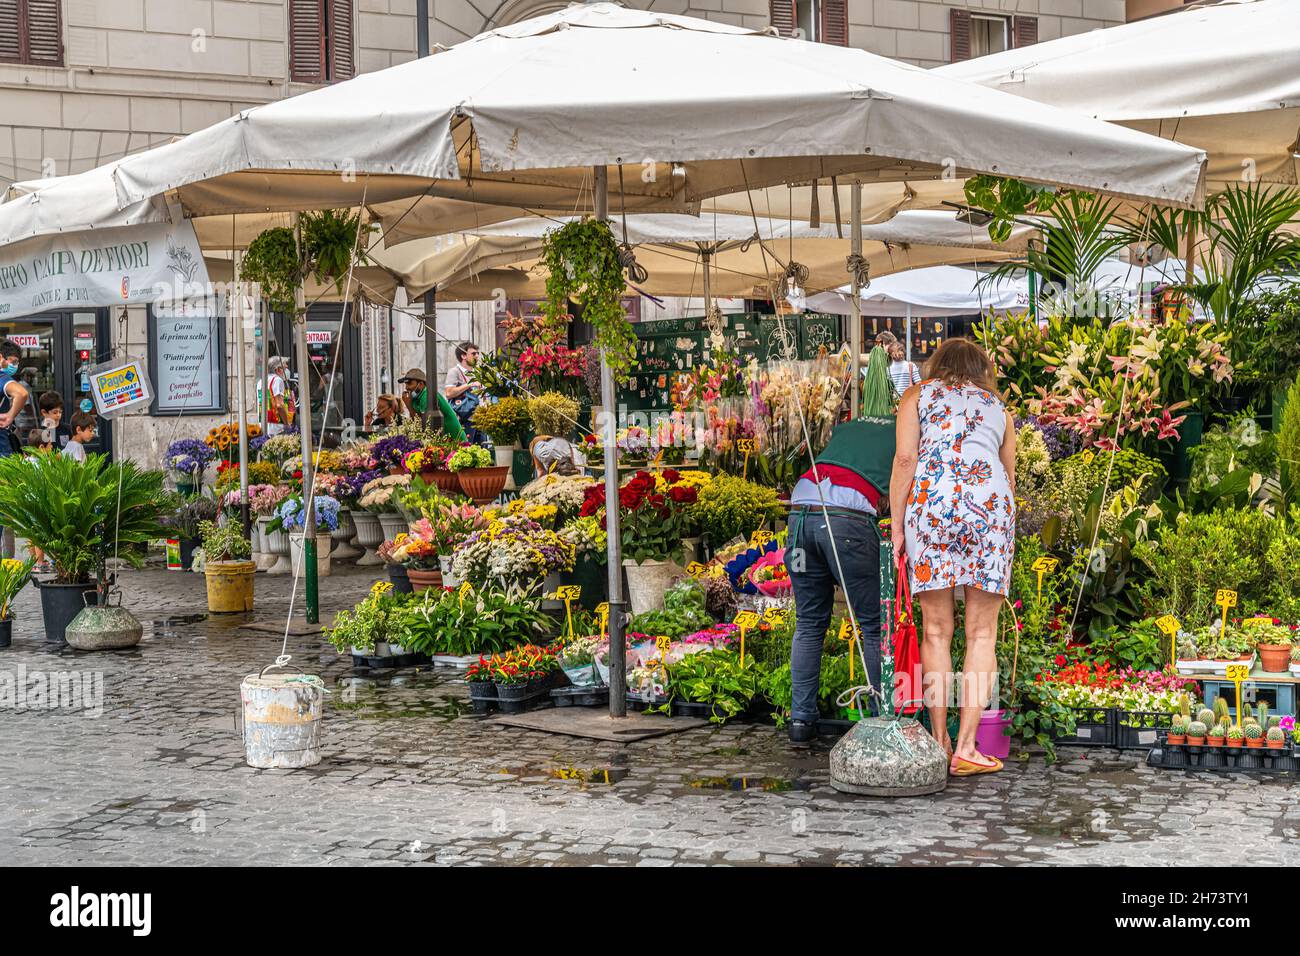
(237, 313)
(855, 332)
(907, 332)
(706, 257)
(304, 430)
(609, 399)
(432, 414)
(422, 28)
(264, 361)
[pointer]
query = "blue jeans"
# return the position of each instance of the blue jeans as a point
(858, 543)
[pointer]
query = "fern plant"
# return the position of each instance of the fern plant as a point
(81, 514)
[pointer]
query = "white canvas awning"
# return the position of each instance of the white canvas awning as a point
(689, 108)
(1224, 77)
(748, 257)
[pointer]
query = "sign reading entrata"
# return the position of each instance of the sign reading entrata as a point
(101, 267)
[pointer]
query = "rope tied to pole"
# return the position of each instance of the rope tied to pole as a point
(859, 269)
(636, 273)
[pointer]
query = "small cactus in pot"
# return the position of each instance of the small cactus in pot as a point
(1196, 733)
(1235, 736)
(1214, 735)
(1207, 717)
(1254, 735)
(1275, 737)
(1274, 721)
(1178, 729)
(1295, 654)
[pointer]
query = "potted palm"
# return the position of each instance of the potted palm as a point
(80, 515)
(13, 575)
(227, 567)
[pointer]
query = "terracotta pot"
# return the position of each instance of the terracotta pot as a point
(483, 484)
(1255, 744)
(1214, 741)
(1233, 744)
(1177, 740)
(1196, 741)
(423, 579)
(1275, 744)
(1275, 658)
(447, 481)
(396, 470)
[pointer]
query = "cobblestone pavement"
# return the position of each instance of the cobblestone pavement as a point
(406, 778)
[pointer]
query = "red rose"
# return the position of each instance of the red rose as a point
(656, 501)
(672, 476)
(1060, 660)
(630, 498)
(642, 482)
(683, 496)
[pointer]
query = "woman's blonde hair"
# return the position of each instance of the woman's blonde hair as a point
(960, 362)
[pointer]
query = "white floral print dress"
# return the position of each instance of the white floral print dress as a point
(961, 515)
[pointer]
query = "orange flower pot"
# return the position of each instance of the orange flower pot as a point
(482, 484)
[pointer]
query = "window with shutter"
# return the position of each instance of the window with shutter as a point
(784, 17)
(1025, 30)
(306, 41)
(834, 22)
(959, 28)
(342, 63)
(31, 31)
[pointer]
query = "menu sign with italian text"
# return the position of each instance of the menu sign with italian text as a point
(187, 349)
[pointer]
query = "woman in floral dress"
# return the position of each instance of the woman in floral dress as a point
(952, 498)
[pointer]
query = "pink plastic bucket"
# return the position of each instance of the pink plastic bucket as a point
(991, 738)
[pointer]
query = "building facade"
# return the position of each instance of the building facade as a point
(84, 82)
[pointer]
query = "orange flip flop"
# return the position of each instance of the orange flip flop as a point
(961, 767)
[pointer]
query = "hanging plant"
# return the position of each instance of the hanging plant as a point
(272, 262)
(329, 239)
(582, 263)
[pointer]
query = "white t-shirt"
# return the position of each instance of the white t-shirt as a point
(74, 449)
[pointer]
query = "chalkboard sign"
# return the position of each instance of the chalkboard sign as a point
(667, 347)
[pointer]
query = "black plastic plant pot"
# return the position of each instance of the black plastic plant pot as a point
(6, 631)
(482, 690)
(512, 692)
(483, 705)
(580, 696)
(397, 574)
(60, 603)
(187, 553)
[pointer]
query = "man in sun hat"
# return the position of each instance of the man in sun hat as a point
(416, 394)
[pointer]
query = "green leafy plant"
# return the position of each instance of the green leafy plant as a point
(553, 414)
(224, 542)
(504, 421)
(718, 679)
(1253, 731)
(14, 574)
(81, 514)
(729, 507)
(485, 621)
(329, 239)
(271, 261)
(582, 264)
(469, 456)
(374, 619)
(1288, 446)
(684, 612)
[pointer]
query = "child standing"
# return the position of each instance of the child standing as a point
(83, 431)
(51, 406)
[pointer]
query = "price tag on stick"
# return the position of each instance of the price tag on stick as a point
(774, 616)
(695, 569)
(1225, 598)
(1170, 627)
(849, 632)
(744, 620)
(602, 611)
(1041, 567)
(1237, 673)
(569, 593)
(746, 445)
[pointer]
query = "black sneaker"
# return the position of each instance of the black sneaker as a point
(802, 732)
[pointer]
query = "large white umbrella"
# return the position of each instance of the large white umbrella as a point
(929, 293)
(1223, 77)
(746, 256)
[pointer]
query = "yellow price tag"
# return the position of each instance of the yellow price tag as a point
(849, 632)
(569, 592)
(695, 569)
(664, 644)
(495, 527)
(1169, 625)
(1225, 598)
(1238, 672)
(746, 445)
(1257, 620)
(1043, 566)
(745, 619)
(602, 611)
(381, 587)
(760, 538)
(465, 590)
(774, 615)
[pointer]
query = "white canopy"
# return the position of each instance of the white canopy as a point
(689, 109)
(1223, 77)
(748, 256)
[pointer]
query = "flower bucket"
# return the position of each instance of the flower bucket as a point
(342, 548)
(483, 484)
(322, 552)
(398, 575)
(449, 580)
(448, 482)
(282, 720)
(230, 586)
(60, 603)
(647, 582)
(991, 737)
(505, 458)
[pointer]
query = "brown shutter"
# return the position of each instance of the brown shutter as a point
(1024, 31)
(835, 22)
(783, 16)
(44, 33)
(306, 41)
(11, 34)
(342, 60)
(959, 26)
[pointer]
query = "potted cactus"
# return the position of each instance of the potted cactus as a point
(1196, 731)
(1235, 736)
(1214, 737)
(1295, 661)
(1207, 716)
(1254, 735)
(1178, 730)
(1275, 738)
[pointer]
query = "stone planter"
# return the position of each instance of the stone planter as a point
(370, 535)
(553, 581)
(263, 556)
(277, 543)
(647, 582)
(449, 580)
(104, 628)
(392, 524)
(341, 537)
(230, 586)
(322, 552)
(505, 458)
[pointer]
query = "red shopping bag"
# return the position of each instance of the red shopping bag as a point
(907, 653)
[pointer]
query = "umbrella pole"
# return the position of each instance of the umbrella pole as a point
(614, 557)
(304, 430)
(907, 332)
(237, 313)
(855, 331)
